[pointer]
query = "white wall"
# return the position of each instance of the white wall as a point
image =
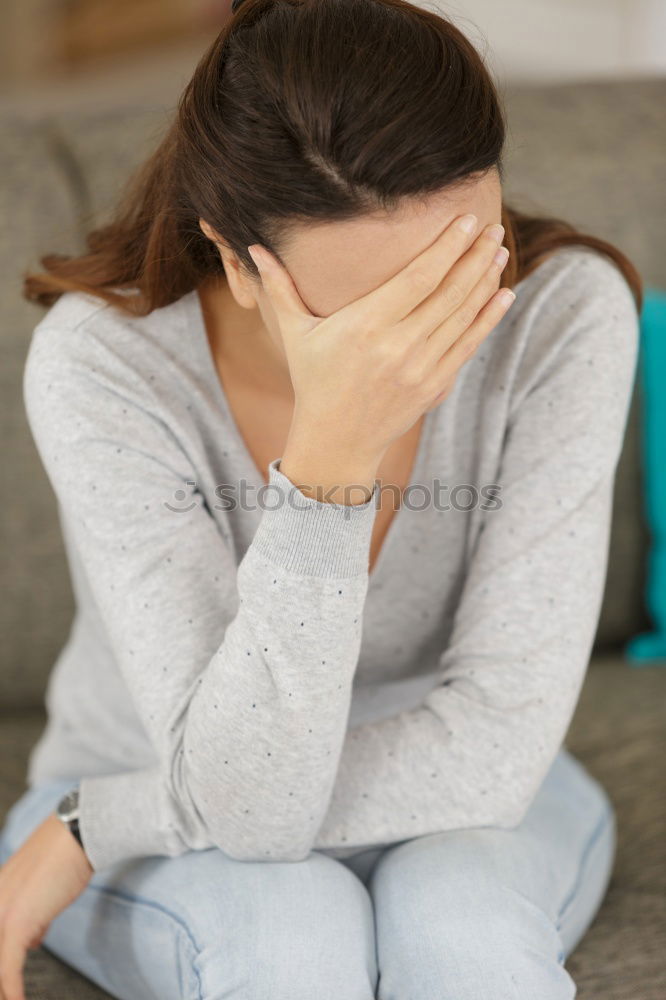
(554, 40)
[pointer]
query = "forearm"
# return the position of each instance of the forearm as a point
(264, 731)
(248, 753)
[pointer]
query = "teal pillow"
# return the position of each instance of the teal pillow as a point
(650, 646)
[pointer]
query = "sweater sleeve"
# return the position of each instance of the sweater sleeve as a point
(241, 675)
(475, 752)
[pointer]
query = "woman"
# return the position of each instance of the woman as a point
(337, 519)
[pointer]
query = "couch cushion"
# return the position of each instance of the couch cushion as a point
(619, 734)
(651, 645)
(623, 609)
(38, 212)
(593, 153)
(106, 148)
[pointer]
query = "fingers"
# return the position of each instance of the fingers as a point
(466, 345)
(392, 301)
(459, 294)
(12, 961)
(280, 287)
(445, 335)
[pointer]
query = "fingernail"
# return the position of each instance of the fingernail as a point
(501, 256)
(496, 233)
(255, 257)
(468, 223)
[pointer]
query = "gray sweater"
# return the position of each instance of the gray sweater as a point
(233, 676)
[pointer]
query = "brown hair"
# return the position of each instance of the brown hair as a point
(305, 110)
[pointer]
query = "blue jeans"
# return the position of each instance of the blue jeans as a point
(468, 914)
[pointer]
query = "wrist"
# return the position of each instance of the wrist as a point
(327, 470)
(72, 849)
(321, 480)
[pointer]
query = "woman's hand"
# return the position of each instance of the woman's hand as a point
(39, 880)
(363, 375)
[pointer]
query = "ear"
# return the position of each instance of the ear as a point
(209, 232)
(242, 285)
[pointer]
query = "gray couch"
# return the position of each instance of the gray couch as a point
(593, 153)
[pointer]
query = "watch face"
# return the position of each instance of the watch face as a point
(68, 807)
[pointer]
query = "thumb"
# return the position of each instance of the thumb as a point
(282, 291)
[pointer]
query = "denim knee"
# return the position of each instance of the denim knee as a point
(461, 936)
(239, 930)
(203, 925)
(295, 931)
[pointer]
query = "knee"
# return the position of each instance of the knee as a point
(453, 967)
(298, 930)
(461, 934)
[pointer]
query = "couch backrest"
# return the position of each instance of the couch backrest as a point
(592, 153)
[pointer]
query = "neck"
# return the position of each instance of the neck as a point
(241, 342)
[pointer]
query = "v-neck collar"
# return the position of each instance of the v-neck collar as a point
(201, 336)
(416, 476)
(197, 330)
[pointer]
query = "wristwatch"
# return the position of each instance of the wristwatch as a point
(67, 811)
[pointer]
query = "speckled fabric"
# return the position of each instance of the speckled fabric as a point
(235, 677)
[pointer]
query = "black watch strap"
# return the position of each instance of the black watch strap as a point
(67, 811)
(74, 827)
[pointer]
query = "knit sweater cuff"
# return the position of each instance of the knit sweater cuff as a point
(108, 822)
(308, 537)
